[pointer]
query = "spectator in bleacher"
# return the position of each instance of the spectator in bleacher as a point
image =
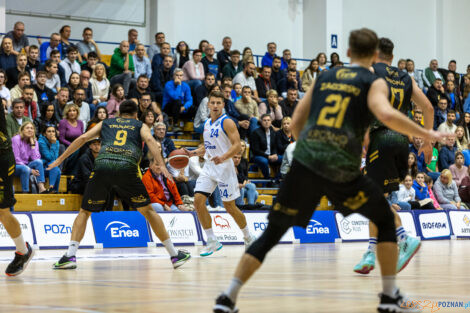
(70, 127)
(122, 66)
(155, 48)
(277, 74)
(401, 65)
(451, 69)
(181, 178)
(70, 64)
(447, 154)
(431, 73)
(430, 183)
(269, 55)
(116, 98)
(211, 64)
(142, 64)
(224, 55)
(88, 45)
(16, 118)
(53, 80)
(248, 107)
(19, 39)
(422, 190)
(31, 108)
(289, 104)
(65, 32)
(287, 159)
(100, 115)
(60, 102)
(100, 85)
(458, 169)
(236, 92)
(203, 90)
(292, 65)
(247, 188)
(55, 56)
(4, 91)
(142, 87)
(202, 46)
(73, 84)
(47, 47)
(247, 55)
(284, 136)
(85, 77)
(446, 192)
(245, 78)
(263, 146)
(13, 72)
(272, 108)
(265, 82)
(460, 138)
(132, 38)
(202, 113)
(321, 58)
(17, 91)
(84, 108)
(49, 150)
(157, 61)
(182, 54)
(412, 165)
(286, 56)
(465, 123)
(33, 61)
(453, 96)
(46, 119)
(27, 157)
(163, 193)
(448, 126)
(462, 78)
(43, 93)
(450, 77)
(193, 70)
(290, 82)
(310, 75)
(334, 59)
(161, 77)
(234, 66)
(410, 68)
(432, 169)
(85, 165)
(414, 147)
(91, 62)
(7, 58)
(177, 98)
(440, 113)
(406, 194)
(160, 135)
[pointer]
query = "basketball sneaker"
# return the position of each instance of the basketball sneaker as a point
(182, 257)
(223, 304)
(399, 303)
(20, 262)
(249, 241)
(366, 264)
(408, 249)
(66, 263)
(211, 247)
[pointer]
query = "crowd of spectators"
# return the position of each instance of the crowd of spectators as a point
(56, 90)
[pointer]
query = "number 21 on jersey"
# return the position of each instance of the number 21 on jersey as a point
(333, 116)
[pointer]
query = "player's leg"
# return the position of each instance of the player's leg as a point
(240, 219)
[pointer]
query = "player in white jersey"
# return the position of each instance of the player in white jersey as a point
(221, 143)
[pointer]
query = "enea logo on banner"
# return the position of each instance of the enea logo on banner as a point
(321, 228)
(434, 225)
(120, 229)
(181, 227)
(460, 223)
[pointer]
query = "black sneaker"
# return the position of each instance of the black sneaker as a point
(20, 262)
(400, 303)
(182, 257)
(224, 304)
(66, 263)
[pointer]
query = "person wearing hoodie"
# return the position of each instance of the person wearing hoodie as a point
(122, 66)
(270, 54)
(49, 150)
(422, 192)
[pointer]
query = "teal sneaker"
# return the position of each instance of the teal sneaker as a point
(367, 263)
(408, 249)
(211, 247)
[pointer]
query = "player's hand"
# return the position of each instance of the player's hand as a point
(217, 160)
(53, 164)
(166, 173)
(438, 136)
(166, 207)
(426, 148)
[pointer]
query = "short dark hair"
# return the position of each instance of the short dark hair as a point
(54, 52)
(28, 87)
(438, 78)
(145, 94)
(41, 73)
(197, 51)
(79, 88)
(265, 115)
(23, 74)
(216, 94)
(87, 28)
(443, 98)
(246, 87)
(128, 107)
(234, 52)
(142, 76)
(92, 54)
(159, 33)
(209, 74)
(386, 48)
(271, 43)
(292, 70)
(34, 47)
(277, 58)
(225, 86)
(72, 49)
(451, 61)
(247, 63)
(291, 60)
(450, 112)
(16, 101)
(265, 66)
(363, 42)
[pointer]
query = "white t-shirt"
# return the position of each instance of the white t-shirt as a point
(241, 79)
(5, 93)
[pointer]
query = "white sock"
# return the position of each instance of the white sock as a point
(372, 244)
(246, 232)
(170, 248)
(20, 244)
(210, 234)
(401, 234)
(234, 289)
(73, 247)
(388, 285)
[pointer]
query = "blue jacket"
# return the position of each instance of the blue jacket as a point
(446, 157)
(180, 92)
(466, 156)
(231, 111)
(267, 60)
(420, 191)
(439, 117)
(7, 61)
(49, 152)
(43, 51)
(419, 159)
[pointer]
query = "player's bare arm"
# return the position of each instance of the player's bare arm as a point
(77, 144)
(234, 137)
(301, 113)
(196, 152)
(154, 148)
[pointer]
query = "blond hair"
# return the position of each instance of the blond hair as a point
(23, 126)
(94, 71)
(447, 173)
(71, 106)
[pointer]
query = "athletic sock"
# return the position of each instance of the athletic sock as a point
(73, 247)
(372, 244)
(170, 248)
(210, 234)
(388, 285)
(401, 234)
(246, 232)
(20, 244)
(234, 289)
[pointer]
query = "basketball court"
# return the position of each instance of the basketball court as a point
(294, 278)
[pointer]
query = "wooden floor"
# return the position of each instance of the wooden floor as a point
(294, 278)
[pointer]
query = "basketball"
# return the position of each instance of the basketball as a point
(178, 159)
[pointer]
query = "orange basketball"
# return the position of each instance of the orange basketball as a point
(178, 159)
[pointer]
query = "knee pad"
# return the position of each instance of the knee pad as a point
(386, 227)
(267, 241)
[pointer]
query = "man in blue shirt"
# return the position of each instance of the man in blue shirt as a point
(142, 64)
(47, 47)
(269, 56)
(414, 148)
(177, 98)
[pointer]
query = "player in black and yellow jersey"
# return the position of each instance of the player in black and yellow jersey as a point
(116, 167)
(387, 154)
(24, 252)
(330, 122)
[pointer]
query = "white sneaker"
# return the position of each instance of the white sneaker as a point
(249, 241)
(211, 247)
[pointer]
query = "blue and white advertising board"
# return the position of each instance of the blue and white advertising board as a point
(26, 230)
(181, 228)
(321, 228)
(257, 223)
(460, 221)
(433, 225)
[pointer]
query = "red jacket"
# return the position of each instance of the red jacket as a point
(31, 107)
(155, 190)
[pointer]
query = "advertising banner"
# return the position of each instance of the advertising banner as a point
(460, 221)
(180, 226)
(321, 228)
(433, 225)
(26, 230)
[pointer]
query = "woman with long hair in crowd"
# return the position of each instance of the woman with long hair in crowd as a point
(334, 59)
(73, 84)
(412, 165)
(182, 54)
(465, 123)
(116, 98)
(49, 148)
(460, 139)
(47, 118)
(4, 91)
(70, 128)
(100, 115)
(202, 46)
(310, 74)
(100, 84)
(321, 58)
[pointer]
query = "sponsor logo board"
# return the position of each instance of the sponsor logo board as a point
(352, 227)
(321, 228)
(408, 223)
(181, 228)
(257, 223)
(434, 225)
(26, 230)
(460, 223)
